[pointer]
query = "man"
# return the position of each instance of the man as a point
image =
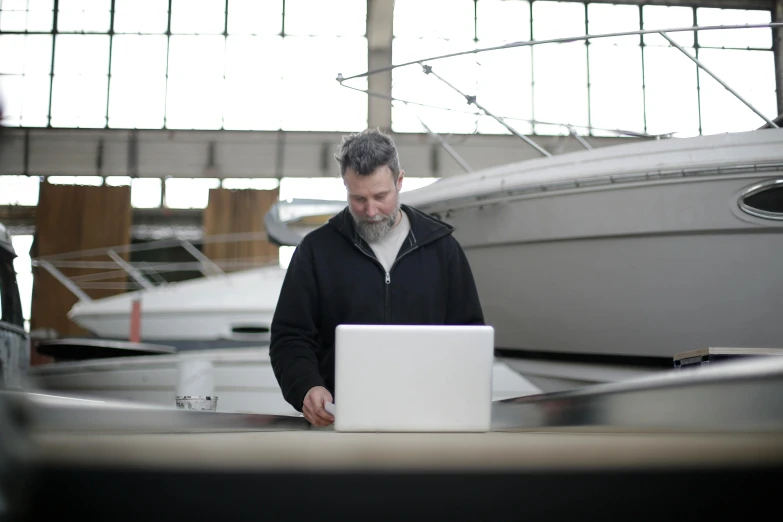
(376, 262)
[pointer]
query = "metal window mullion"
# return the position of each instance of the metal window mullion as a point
(55, 13)
(282, 21)
(644, 78)
(166, 88)
(24, 66)
(698, 74)
(777, 52)
(476, 82)
(589, 90)
(225, 60)
(280, 136)
(108, 74)
(475, 21)
(225, 20)
(532, 74)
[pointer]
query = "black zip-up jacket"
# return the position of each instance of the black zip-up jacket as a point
(334, 278)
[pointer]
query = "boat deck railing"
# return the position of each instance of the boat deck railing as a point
(110, 268)
(432, 71)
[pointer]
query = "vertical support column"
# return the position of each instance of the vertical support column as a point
(777, 49)
(380, 17)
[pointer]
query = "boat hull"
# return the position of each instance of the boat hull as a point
(233, 307)
(646, 269)
(183, 328)
(243, 380)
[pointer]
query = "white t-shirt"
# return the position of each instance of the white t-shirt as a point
(386, 249)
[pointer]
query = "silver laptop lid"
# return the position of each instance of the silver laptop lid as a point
(413, 378)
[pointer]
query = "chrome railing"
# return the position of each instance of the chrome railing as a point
(106, 265)
(428, 69)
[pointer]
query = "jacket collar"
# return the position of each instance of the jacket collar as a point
(424, 228)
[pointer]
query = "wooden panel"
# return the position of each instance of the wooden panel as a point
(72, 218)
(236, 211)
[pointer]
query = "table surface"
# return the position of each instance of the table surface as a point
(495, 451)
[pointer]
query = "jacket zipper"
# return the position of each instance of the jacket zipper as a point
(386, 303)
(388, 282)
(387, 298)
(386, 292)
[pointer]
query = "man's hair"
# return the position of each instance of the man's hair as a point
(365, 151)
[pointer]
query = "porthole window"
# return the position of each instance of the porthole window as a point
(764, 200)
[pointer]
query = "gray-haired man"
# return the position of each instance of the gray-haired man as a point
(376, 262)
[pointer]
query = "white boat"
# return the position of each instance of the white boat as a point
(235, 307)
(642, 250)
(232, 304)
(242, 378)
(603, 264)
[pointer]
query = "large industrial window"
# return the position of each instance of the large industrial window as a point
(624, 84)
(670, 79)
(615, 85)
(25, 67)
(743, 59)
(19, 190)
(267, 65)
(203, 64)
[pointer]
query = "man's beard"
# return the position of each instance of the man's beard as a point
(376, 228)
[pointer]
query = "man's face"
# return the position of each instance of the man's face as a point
(373, 201)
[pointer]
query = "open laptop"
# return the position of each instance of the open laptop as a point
(413, 378)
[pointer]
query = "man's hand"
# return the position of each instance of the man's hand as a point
(313, 406)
